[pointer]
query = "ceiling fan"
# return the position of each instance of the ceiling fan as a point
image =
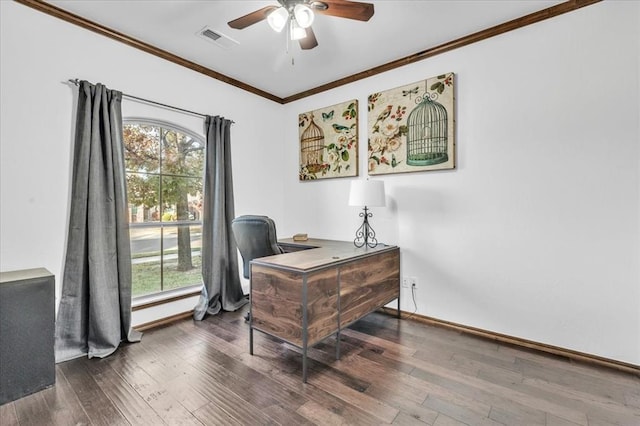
(299, 15)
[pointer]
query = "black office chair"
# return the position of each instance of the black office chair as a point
(255, 237)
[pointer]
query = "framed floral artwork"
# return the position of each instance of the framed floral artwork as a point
(329, 142)
(411, 128)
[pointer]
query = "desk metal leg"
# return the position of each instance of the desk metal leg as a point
(304, 365)
(399, 316)
(305, 330)
(250, 340)
(338, 345)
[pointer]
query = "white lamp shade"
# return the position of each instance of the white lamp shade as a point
(278, 19)
(368, 193)
(304, 15)
(297, 32)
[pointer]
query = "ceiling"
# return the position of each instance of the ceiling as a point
(263, 59)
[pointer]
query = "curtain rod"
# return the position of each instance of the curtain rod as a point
(77, 83)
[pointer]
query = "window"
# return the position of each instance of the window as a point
(164, 167)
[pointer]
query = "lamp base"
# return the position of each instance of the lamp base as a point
(365, 235)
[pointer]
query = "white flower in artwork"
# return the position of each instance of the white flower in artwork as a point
(389, 128)
(377, 142)
(333, 157)
(372, 164)
(394, 143)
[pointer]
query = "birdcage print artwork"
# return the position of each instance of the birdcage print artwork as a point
(427, 134)
(411, 128)
(329, 142)
(312, 146)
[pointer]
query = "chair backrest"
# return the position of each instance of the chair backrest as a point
(255, 237)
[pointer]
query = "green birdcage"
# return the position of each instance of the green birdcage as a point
(427, 133)
(312, 147)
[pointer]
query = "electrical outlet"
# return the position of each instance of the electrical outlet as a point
(405, 282)
(413, 282)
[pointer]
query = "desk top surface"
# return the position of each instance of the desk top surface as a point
(318, 253)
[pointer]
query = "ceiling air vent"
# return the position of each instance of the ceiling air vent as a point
(211, 34)
(217, 38)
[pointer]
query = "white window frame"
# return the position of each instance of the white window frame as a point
(145, 301)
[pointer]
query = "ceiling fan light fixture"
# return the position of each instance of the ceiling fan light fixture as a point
(304, 15)
(297, 32)
(278, 19)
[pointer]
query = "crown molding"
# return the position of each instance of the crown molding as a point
(532, 18)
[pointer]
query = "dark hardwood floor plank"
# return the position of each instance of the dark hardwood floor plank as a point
(63, 402)
(403, 419)
(391, 364)
(391, 371)
(130, 403)
(98, 407)
(415, 334)
(491, 393)
(369, 371)
(517, 414)
(377, 408)
(379, 342)
(587, 369)
(466, 413)
(174, 401)
(212, 415)
(320, 415)
(166, 362)
(282, 353)
(558, 421)
(632, 398)
(255, 396)
(474, 387)
(407, 406)
(8, 415)
(132, 372)
(567, 375)
(283, 365)
(233, 405)
(181, 391)
(284, 416)
(592, 402)
(291, 378)
(405, 391)
(33, 410)
(444, 420)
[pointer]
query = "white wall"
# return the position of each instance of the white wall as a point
(38, 54)
(536, 233)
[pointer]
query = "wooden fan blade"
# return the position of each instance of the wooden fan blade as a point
(309, 42)
(251, 18)
(345, 9)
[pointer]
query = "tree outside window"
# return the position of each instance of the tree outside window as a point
(164, 185)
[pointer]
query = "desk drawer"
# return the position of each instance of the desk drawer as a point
(367, 285)
(277, 303)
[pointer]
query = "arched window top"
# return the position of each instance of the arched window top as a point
(164, 124)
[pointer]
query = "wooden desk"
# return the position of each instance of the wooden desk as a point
(319, 288)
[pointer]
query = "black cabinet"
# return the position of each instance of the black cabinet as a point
(27, 316)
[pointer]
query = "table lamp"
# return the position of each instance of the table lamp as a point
(366, 193)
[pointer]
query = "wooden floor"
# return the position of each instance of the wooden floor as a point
(391, 372)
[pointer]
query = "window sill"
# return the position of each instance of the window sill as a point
(155, 299)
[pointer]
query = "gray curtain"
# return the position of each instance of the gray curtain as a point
(220, 274)
(95, 309)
